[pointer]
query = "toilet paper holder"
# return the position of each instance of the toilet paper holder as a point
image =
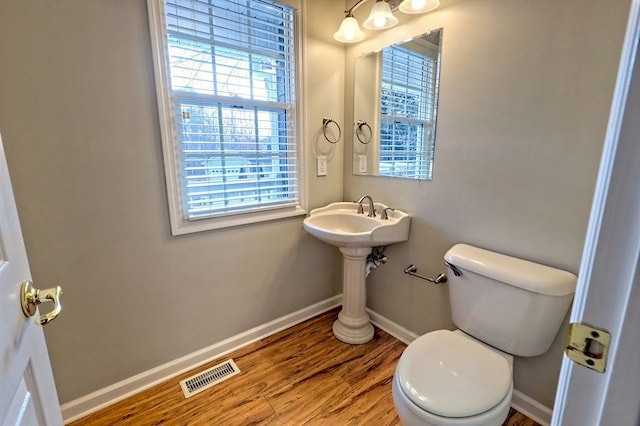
(412, 270)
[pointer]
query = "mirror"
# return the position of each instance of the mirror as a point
(395, 105)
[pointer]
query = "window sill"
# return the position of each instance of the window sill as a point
(182, 227)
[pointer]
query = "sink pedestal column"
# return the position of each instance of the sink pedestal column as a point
(353, 325)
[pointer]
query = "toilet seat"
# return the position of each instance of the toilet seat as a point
(449, 375)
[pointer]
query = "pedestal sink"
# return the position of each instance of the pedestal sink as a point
(355, 234)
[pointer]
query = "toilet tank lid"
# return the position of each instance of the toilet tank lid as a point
(510, 270)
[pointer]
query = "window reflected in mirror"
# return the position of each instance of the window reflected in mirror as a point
(395, 106)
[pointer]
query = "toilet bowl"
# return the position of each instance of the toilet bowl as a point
(503, 306)
(448, 378)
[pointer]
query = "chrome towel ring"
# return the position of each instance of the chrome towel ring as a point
(359, 133)
(325, 125)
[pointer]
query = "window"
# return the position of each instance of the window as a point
(226, 78)
(407, 113)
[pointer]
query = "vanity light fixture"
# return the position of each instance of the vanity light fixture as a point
(349, 31)
(380, 18)
(418, 6)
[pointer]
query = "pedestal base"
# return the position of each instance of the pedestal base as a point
(352, 325)
(353, 336)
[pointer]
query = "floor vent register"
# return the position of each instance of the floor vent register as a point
(206, 379)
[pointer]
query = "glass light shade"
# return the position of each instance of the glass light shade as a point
(418, 6)
(349, 31)
(380, 17)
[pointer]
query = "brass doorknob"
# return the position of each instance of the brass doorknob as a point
(31, 297)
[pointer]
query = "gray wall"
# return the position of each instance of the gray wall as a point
(79, 121)
(524, 101)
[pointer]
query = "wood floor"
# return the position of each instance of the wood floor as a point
(300, 376)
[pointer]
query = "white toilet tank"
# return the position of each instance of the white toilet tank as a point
(512, 304)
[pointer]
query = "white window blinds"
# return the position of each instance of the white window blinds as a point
(232, 70)
(407, 113)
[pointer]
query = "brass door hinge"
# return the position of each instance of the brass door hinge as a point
(588, 346)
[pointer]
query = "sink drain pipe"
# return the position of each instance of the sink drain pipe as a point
(375, 258)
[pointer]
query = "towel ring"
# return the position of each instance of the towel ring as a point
(325, 124)
(359, 125)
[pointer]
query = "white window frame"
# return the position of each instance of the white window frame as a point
(168, 131)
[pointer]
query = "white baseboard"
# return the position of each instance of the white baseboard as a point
(531, 408)
(392, 328)
(94, 401)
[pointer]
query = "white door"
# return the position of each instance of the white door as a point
(27, 391)
(608, 294)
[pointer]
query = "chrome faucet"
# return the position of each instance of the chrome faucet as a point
(372, 209)
(384, 215)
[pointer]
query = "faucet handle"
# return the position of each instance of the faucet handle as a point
(384, 215)
(360, 208)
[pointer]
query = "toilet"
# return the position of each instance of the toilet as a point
(503, 307)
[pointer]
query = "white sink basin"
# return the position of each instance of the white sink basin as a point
(340, 225)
